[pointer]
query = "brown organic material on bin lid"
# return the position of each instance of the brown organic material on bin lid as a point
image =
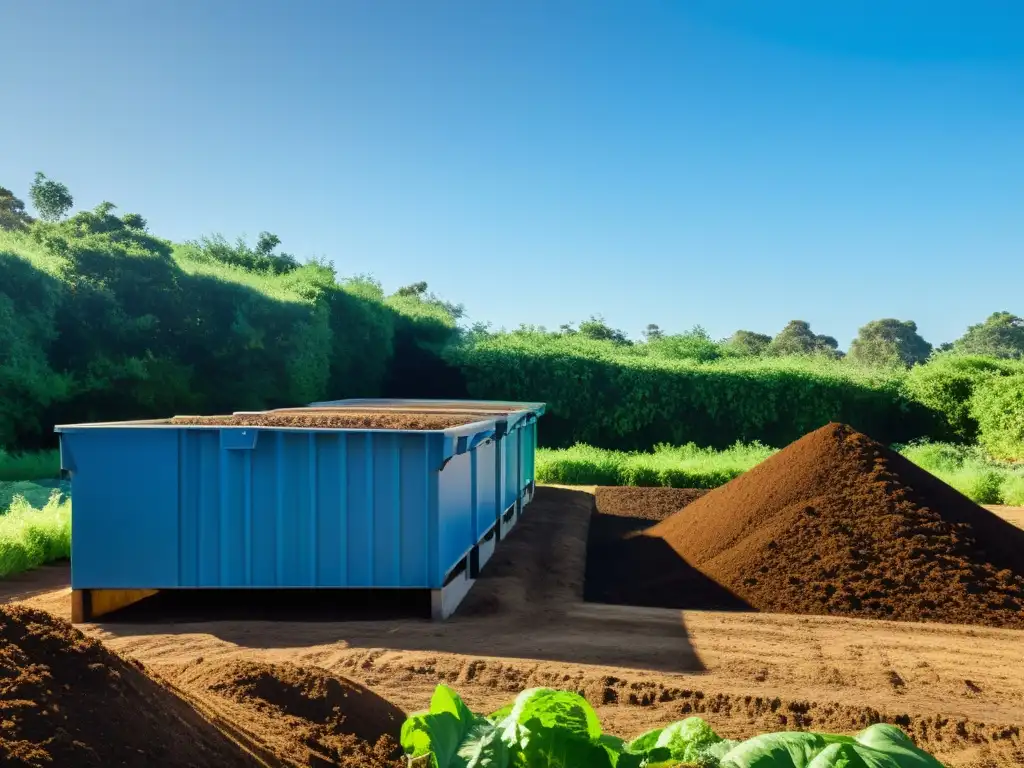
(837, 523)
(336, 419)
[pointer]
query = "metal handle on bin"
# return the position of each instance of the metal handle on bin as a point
(465, 444)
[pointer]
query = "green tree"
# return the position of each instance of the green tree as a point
(413, 289)
(653, 332)
(597, 328)
(1001, 335)
(695, 344)
(748, 343)
(890, 342)
(797, 338)
(13, 216)
(51, 198)
(134, 221)
(266, 243)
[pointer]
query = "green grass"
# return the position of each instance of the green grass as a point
(676, 467)
(965, 468)
(29, 466)
(30, 537)
(970, 471)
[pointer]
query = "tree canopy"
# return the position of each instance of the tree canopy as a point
(13, 216)
(889, 342)
(748, 343)
(797, 338)
(51, 198)
(1001, 335)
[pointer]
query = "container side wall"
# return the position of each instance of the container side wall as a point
(166, 508)
(125, 521)
(387, 510)
(510, 480)
(455, 512)
(418, 474)
(486, 487)
(528, 451)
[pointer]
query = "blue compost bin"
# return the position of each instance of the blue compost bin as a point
(162, 505)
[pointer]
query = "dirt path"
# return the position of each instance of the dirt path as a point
(959, 689)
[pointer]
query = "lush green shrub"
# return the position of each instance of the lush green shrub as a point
(623, 397)
(946, 385)
(998, 405)
(29, 466)
(99, 320)
(686, 466)
(965, 468)
(31, 537)
(28, 306)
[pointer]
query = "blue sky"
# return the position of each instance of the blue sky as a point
(715, 162)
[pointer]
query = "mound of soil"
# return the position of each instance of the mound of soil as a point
(643, 504)
(66, 700)
(621, 566)
(837, 523)
(303, 715)
(335, 419)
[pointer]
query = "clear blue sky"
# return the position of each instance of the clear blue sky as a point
(729, 164)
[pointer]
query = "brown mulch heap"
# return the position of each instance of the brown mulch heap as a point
(66, 700)
(337, 420)
(625, 568)
(837, 523)
(302, 715)
(644, 503)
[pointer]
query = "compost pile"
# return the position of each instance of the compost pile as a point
(334, 419)
(303, 715)
(66, 700)
(837, 523)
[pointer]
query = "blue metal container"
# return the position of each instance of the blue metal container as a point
(164, 506)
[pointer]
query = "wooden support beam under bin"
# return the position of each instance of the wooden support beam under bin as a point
(89, 604)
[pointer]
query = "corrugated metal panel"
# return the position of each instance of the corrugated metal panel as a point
(159, 506)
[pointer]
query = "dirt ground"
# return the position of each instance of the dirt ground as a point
(959, 690)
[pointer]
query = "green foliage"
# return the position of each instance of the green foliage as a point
(31, 537)
(748, 343)
(797, 338)
(998, 406)
(1001, 336)
(29, 466)
(890, 342)
(653, 332)
(628, 398)
(674, 467)
(13, 216)
(51, 198)
(965, 468)
(694, 345)
(597, 329)
(947, 383)
(259, 259)
(542, 727)
(545, 728)
(99, 320)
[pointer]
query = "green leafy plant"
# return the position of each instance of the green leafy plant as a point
(545, 728)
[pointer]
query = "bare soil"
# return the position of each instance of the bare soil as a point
(337, 419)
(67, 700)
(958, 690)
(304, 715)
(838, 524)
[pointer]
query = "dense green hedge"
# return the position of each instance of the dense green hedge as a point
(998, 405)
(99, 321)
(628, 400)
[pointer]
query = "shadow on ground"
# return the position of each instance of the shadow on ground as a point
(527, 604)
